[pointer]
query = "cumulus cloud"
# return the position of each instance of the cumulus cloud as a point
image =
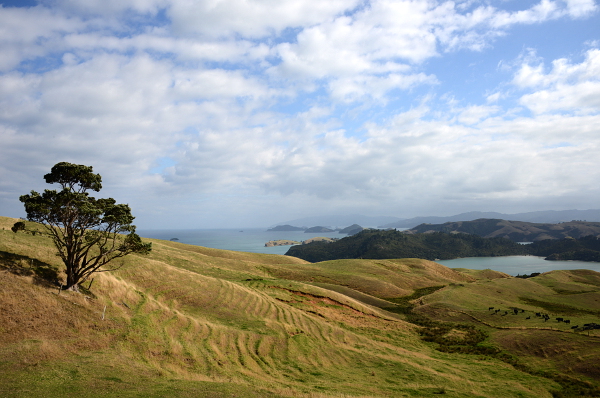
(565, 87)
(244, 106)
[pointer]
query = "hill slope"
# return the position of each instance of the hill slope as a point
(377, 244)
(518, 231)
(191, 321)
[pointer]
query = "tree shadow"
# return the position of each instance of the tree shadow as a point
(43, 273)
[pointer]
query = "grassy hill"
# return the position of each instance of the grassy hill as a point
(188, 321)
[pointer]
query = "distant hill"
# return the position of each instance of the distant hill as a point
(286, 227)
(549, 216)
(517, 231)
(319, 229)
(352, 229)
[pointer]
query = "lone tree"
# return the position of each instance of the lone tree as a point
(88, 232)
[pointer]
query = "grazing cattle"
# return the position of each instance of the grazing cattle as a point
(559, 319)
(522, 311)
(538, 314)
(574, 327)
(498, 310)
(491, 308)
(515, 311)
(505, 312)
(528, 317)
(568, 321)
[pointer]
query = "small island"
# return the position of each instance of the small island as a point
(281, 242)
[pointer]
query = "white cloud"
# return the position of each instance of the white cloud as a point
(581, 8)
(331, 103)
(255, 19)
(566, 87)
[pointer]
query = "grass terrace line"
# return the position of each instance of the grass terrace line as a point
(193, 321)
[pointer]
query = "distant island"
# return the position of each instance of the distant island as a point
(281, 242)
(351, 230)
(286, 227)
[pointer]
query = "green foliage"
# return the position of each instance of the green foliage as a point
(376, 244)
(19, 226)
(586, 248)
(87, 232)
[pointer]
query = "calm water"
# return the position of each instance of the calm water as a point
(253, 240)
(250, 240)
(515, 265)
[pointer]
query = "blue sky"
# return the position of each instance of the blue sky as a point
(232, 113)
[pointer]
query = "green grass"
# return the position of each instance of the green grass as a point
(190, 321)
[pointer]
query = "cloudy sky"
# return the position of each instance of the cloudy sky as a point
(239, 113)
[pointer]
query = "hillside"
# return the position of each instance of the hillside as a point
(517, 231)
(547, 216)
(377, 244)
(191, 321)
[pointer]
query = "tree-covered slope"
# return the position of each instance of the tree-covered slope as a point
(518, 231)
(376, 244)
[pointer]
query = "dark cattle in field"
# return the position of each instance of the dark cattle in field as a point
(498, 310)
(528, 317)
(538, 314)
(574, 327)
(491, 308)
(567, 321)
(559, 319)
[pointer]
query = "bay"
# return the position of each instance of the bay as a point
(253, 240)
(246, 240)
(518, 265)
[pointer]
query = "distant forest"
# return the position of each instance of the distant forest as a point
(378, 244)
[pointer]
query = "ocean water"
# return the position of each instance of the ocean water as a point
(244, 240)
(254, 239)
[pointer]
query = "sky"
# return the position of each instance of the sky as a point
(242, 113)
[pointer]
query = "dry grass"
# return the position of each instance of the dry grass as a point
(190, 321)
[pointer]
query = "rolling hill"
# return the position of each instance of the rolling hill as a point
(189, 321)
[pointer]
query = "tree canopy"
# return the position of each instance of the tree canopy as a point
(88, 233)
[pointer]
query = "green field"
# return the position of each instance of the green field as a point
(188, 321)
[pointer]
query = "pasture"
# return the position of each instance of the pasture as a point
(188, 321)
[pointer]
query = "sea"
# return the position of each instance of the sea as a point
(253, 240)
